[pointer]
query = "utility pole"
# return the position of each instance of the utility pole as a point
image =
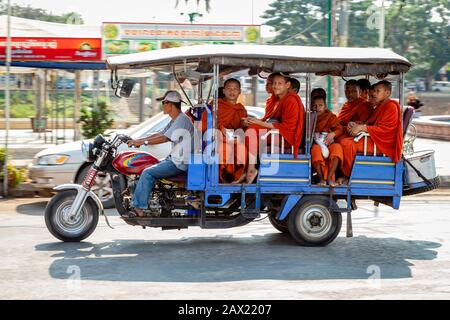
(7, 96)
(342, 40)
(382, 23)
(332, 28)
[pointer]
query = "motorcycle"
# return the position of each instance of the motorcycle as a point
(73, 213)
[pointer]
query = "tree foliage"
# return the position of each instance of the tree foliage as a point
(29, 12)
(96, 120)
(298, 22)
(418, 30)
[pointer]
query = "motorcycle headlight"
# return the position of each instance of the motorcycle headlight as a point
(53, 159)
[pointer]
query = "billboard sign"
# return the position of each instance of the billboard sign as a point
(123, 38)
(53, 49)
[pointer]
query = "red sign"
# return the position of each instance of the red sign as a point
(53, 49)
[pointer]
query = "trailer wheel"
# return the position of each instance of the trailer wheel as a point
(279, 225)
(312, 223)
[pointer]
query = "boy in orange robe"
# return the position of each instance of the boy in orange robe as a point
(272, 101)
(356, 109)
(288, 117)
(232, 154)
(329, 123)
(364, 87)
(384, 127)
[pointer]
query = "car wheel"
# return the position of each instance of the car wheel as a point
(102, 187)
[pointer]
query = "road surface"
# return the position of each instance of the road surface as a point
(402, 254)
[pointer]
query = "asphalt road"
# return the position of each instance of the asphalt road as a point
(402, 254)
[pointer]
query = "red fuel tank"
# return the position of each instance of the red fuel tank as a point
(132, 162)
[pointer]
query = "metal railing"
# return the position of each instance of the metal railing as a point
(272, 133)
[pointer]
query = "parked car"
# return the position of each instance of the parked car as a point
(65, 163)
(69, 84)
(441, 86)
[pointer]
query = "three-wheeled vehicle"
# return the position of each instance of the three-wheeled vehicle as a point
(284, 190)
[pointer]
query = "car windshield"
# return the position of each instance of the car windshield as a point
(153, 124)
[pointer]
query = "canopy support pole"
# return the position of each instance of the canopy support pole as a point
(77, 106)
(7, 98)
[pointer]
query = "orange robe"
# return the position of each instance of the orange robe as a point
(233, 155)
(271, 103)
(327, 122)
(289, 114)
(385, 129)
(357, 111)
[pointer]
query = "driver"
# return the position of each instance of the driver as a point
(180, 132)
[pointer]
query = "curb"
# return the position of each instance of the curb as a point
(445, 182)
(25, 190)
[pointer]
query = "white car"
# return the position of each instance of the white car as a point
(65, 163)
(441, 86)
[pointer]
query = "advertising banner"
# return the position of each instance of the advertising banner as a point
(123, 38)
(53, 49)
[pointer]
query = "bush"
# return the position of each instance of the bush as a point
(15, 176)
(95, 121)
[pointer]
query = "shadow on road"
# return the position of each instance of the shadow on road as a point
(32, 209)
(38, 208)
(216, 259)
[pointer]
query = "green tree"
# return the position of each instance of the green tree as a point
(418, 30)
(421, 32)
(298, 22)
(30, 12)
(95, 121)
(359, 34)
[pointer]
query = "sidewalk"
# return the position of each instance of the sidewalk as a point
(24, 144)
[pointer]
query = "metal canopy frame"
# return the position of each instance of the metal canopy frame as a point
(292, 59)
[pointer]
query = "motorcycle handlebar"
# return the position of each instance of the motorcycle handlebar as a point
(119, 139)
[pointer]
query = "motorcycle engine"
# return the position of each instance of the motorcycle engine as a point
(131, 183)
(154, 206)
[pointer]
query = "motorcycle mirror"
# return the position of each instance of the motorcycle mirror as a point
(126, 87)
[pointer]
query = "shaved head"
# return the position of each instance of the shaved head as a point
(364, 84)
(386, 84)
(295, 85)
(318, 92)
(351, 82)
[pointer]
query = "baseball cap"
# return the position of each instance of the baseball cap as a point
(172, 96)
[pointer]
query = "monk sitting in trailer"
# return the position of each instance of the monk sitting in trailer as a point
(326, 155)
(272, 100)
(295, 85)
(364, 87)
(287, 117)
(229, 118)
(384, 127)
(356, 109)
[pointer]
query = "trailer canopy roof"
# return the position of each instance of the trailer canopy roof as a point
(335, 61)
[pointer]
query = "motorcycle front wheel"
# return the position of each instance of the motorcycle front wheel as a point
(66, 228)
